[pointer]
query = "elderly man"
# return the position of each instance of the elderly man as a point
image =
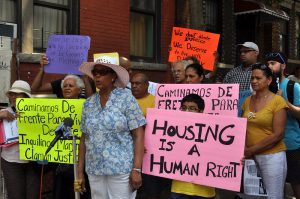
(139, 89)
(242, 74)
(178, 71)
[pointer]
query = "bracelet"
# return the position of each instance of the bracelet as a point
(137, 170)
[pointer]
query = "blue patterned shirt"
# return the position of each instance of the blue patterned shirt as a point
(109, 143)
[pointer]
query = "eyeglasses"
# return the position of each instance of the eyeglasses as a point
(275, 55)
(245, 51)
(189, 108)
(101, 72)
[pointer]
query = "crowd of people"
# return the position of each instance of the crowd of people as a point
(113, 121)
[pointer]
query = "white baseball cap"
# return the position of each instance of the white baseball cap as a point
(249, 44)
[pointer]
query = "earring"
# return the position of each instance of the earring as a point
(112, 80)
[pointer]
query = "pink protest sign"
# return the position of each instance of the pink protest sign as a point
(220, 99)
(193, 147)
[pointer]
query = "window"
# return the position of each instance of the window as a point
(212, 17)
(283, 37)
(51, 17)
(144, 29)
(298, 36)
(8, 11)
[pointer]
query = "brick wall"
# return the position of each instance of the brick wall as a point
(228, 32)
(167, 22)
(107, 23)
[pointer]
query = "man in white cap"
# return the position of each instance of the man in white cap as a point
(242, 74)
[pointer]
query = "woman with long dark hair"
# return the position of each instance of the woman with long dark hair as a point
(266, 116)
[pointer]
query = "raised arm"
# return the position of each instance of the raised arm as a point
(37, 84)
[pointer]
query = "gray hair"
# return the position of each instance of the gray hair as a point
(182, 62)
(78, 80)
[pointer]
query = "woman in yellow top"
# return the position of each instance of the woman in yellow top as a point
(266, 115)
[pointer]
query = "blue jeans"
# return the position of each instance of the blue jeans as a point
(183, 196)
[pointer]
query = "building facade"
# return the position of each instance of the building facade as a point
(141, 29)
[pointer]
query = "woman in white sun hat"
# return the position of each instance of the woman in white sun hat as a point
(112, 144)
(21, 177)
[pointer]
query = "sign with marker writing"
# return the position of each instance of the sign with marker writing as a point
(66, 53)
(220, 99)
(188, 42)
(37, 123)
(194, 147)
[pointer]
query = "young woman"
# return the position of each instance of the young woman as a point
(194, 74)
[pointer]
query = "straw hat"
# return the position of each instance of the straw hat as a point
(20, 86)
(122, 74)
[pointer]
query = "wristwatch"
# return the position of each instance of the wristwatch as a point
(137, 170)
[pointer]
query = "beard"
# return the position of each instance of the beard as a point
(278, 75)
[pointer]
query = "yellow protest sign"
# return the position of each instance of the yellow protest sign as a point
(112, 58)
(37, 122)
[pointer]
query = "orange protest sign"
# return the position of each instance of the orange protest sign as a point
(188, 42)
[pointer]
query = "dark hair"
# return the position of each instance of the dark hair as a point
(193, 59)
(273, 87)
(197, 67)
(194, 98)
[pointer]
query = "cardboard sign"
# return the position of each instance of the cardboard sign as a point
(194, 147)
(66, 53)
(111, 58)
(220, 99)
(188, 42)
(37, 123)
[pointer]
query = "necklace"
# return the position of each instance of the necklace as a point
(251, 114)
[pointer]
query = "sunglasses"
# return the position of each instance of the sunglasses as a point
(275, 55)
(101, 72)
